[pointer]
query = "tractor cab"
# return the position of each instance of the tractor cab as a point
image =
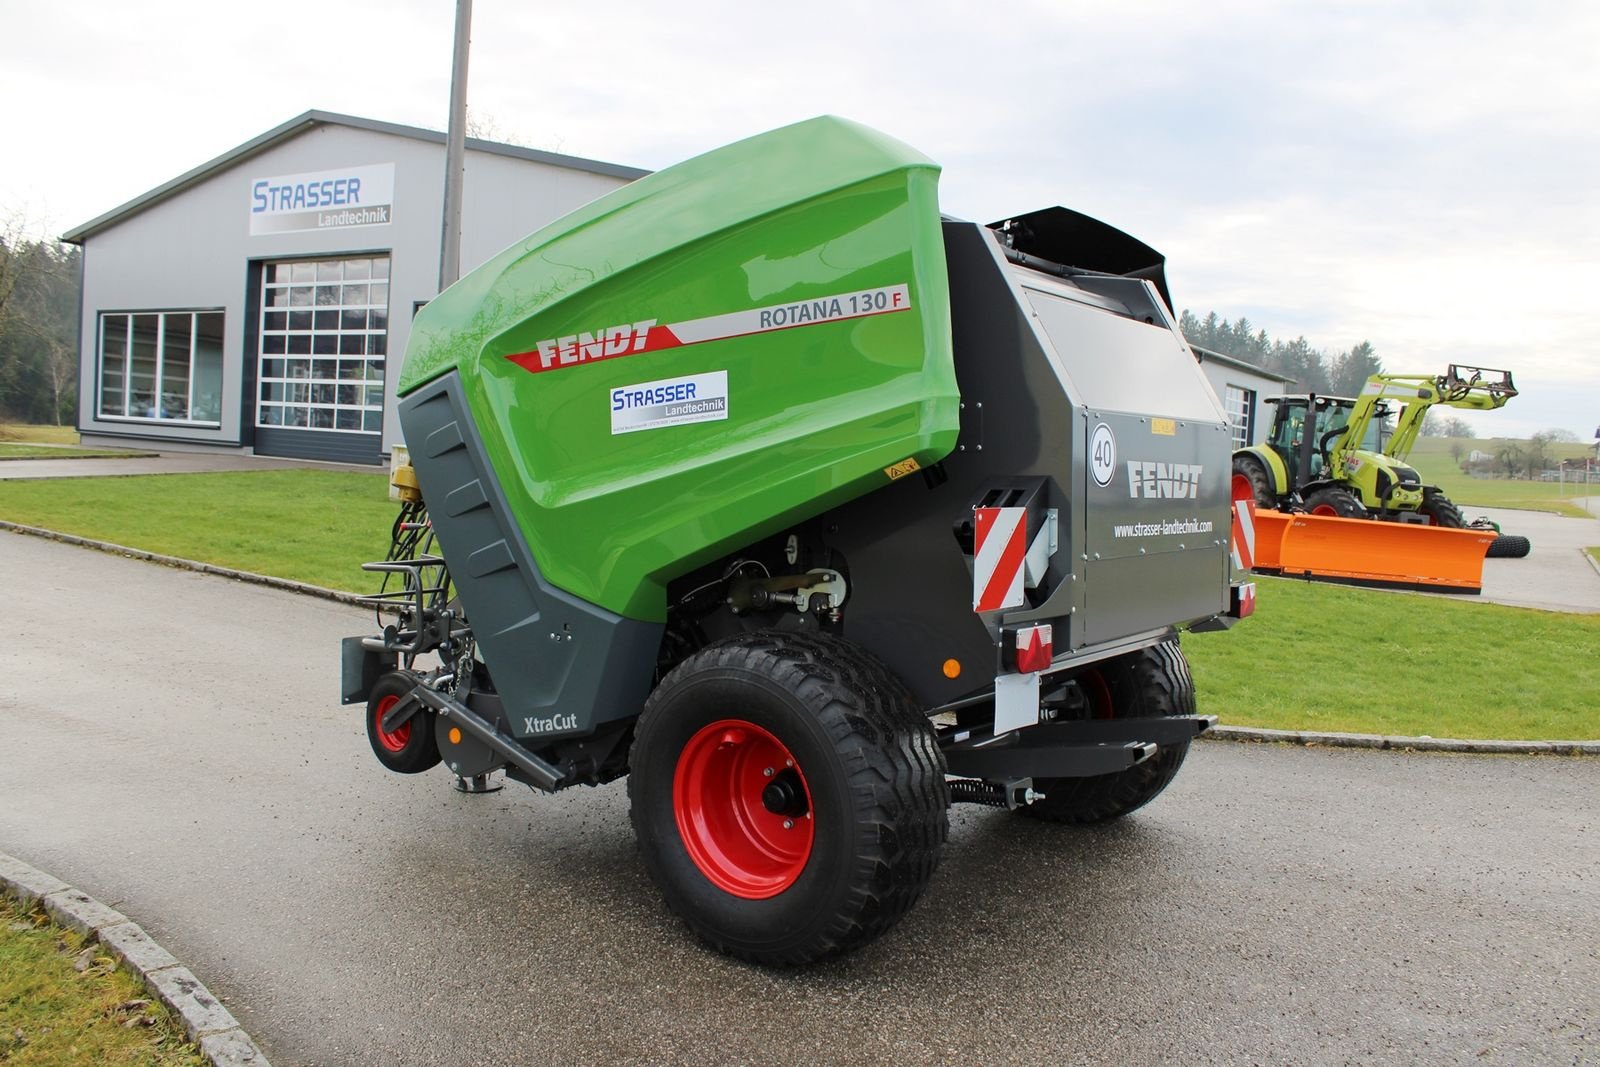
(1307, 428)
(1327, 440)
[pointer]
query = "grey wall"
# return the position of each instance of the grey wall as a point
(194, 250)
(1221, 375)
(507, 199)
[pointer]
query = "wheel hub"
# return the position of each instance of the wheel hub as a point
(785, 794)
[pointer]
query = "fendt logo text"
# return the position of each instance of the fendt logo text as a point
(1166, 481)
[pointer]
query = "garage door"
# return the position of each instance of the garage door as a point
(320, 356)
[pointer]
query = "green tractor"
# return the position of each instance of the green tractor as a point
(1332, 455)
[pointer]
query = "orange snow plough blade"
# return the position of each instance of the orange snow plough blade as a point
(1365, 552)
(1270, 528)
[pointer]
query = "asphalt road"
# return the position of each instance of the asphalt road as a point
(1555, 575)
(171, 742)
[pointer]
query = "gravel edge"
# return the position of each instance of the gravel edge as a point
(1403, 744)
(77, 455)
(206, 1022)
(1219, 733)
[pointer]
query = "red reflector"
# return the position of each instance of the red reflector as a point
(1035, 649)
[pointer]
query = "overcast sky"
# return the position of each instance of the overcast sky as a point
(1425, 176)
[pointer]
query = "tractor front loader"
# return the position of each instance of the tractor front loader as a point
(1339, 456)
(812, 512)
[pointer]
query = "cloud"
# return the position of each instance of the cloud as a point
(1416, 174)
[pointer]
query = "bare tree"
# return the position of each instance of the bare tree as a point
(1437, 424)
(1510, 457)
(13, 238)
(1536, 456)
(61, 364)
(38, 323)
(484, 126)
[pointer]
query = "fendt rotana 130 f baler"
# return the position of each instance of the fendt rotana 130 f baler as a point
(812, 512)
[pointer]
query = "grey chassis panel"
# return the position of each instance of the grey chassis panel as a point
(549, 652)
(911, 588)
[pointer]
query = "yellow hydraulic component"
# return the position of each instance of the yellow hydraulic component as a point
(404, 480)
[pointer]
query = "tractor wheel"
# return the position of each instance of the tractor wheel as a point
(1509, 546)
(1440, 511)
(1153, 681)
(1335, 500)
(788, 796)
(1260, 481)
(410, 748)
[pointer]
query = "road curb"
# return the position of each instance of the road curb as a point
(1220, 733)
(1313, 738)
(25, 459)
(1595, 563)
(206, 1022)
(284, 584)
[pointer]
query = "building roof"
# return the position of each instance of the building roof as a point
(310, 120)
(1207, 355)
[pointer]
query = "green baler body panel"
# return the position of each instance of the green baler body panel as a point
(805, 264)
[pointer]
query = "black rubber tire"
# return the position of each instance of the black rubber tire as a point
(1153, 681)
(420, 752)
(873, 769)
(1509, 546)
(1250, 469)
(1340, 500)
(1441, 511)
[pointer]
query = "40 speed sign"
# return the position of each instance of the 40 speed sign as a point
(1102, 455)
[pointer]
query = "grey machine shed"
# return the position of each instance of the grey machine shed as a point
(1241, 386)
(253, 302)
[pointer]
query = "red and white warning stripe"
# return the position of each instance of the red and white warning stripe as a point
(1243, 541)
(636, 338)
(1001, 545)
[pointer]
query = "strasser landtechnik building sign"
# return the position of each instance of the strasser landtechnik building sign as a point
(323, 200)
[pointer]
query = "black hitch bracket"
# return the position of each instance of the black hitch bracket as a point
(1078, 749)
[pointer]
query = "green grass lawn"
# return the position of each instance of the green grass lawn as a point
(52, 1013)
(50, 435)
(10, 450)
(1329, 657)
(1433, 461)
(306, 525)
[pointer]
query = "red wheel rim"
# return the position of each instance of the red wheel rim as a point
(1325, 509)
(392, 742)
(743, 809)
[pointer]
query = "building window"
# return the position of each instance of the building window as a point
(164, 366)
(1241, 405)
(324, 343)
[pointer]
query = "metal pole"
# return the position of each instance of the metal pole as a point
(455, 151)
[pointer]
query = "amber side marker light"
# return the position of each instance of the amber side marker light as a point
(952, 668)
(455, 735)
